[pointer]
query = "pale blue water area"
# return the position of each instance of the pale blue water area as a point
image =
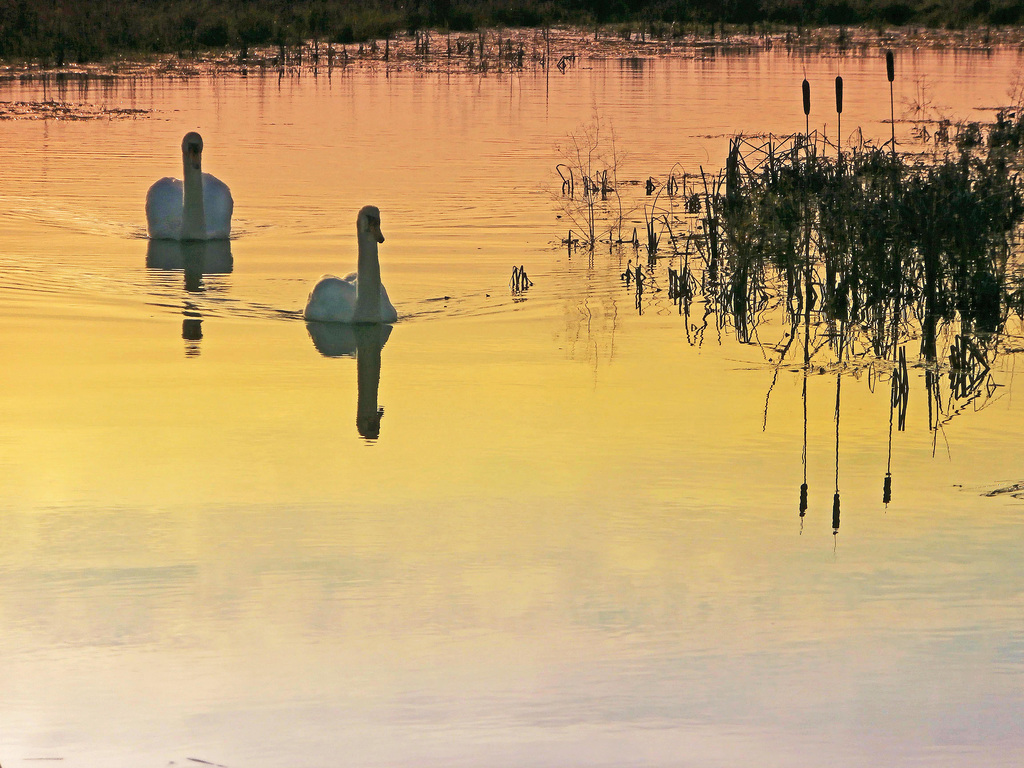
(576, 539)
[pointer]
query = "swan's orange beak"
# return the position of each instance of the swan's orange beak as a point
(195, 157)
(378, 234)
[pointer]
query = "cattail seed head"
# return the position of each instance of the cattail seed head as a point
(839, 94)
(807, 97)
(890, 67)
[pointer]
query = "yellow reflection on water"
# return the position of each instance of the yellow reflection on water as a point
(567, 526)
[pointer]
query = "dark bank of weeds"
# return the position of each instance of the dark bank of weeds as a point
(60, 33)
(859, 234)
(851, 253)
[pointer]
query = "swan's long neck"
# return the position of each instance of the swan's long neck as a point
(193, 216)
(368, 287)
(369, 341)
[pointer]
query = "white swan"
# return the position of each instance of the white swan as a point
(359, 297)
(197, 209)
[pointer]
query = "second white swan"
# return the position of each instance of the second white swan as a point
(359, 297)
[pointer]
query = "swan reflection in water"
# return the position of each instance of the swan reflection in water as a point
(364, 342)
(194, 258)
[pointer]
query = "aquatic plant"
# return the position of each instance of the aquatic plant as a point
(857, 253)
(839, 113)
(1007, 132)
(589, 192)
(806, 88)
(520, 282)
(866, 231)
(890, 75)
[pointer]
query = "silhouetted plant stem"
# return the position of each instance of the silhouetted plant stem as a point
(806, 87)
(839, 117)
(890, 73)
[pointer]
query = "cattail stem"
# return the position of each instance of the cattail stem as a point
(839, 112)
(890, 72)
(807, 107)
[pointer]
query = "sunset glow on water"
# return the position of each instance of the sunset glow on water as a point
(576, 539)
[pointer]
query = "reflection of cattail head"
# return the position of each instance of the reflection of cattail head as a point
(807, 97)
(839, 94)
(890, 68)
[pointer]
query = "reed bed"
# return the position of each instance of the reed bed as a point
(864, 235)
(856, 255)
(234, 35)
(836, 259)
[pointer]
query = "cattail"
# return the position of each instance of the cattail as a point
(890, 72)
(732, 170)
(807, 107)
(839, 113)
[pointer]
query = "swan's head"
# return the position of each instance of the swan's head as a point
(192, 149)
(369, 222)
(368, 424)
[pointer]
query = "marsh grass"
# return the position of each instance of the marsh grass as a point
(851, 256)
(873, 240)
(860, 236)
(88, 30)
(520, 282)
(228, 35)
(63, 110)
(589, 196)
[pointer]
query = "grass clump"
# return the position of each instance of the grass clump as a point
(868, 234)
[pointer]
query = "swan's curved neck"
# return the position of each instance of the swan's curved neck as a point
(369, 341)
(193, 217)
(368, 288)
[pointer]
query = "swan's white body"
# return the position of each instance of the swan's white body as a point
(359, 297)
(165, 204)
(198, 207)
(333, 300)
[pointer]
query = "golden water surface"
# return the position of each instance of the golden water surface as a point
(572, 539)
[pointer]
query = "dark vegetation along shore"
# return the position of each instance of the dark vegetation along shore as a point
(60, 32)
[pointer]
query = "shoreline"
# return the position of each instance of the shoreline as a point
(502, 50)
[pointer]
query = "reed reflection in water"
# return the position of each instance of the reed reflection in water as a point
(853, 255)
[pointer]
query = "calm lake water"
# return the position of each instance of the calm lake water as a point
(576, 538)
